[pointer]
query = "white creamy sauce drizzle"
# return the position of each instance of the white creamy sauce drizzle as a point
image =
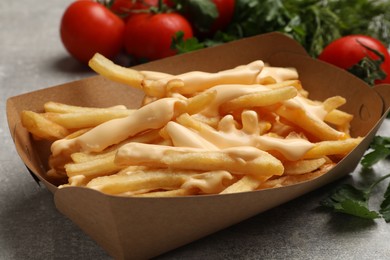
(184, 137)
(315, 111)
(155, 75)
(243, 144)
(227, 92)
(278, 73)
(196, 81)
(141, 153)
(292, 148)
(208, 182)
(152, 116)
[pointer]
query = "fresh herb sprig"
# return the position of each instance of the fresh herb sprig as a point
(380, 149)
(312, 23)
(355, 201)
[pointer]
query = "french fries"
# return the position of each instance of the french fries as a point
(241, 160)
(41, 127)
(238, 130)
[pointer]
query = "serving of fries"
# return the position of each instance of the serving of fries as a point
(246, 128)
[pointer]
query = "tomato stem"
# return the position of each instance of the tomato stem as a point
(368, 68)
(160, 8)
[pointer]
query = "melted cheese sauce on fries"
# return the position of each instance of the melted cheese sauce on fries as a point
(242, 129)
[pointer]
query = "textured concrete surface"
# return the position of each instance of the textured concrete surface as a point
(31, 58)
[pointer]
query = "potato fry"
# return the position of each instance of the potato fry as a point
(98, 167)
(197, 81)
(190, 122)
(251, 124)
(147, 100)
(211, 182)
(333, 103)
(258, 99)
(57, 107)
(303, 166)
(338, 118)
(146, 137)
(296, 83)
(266, 80)
(158, 179)
(317, 128)
(165, 193)
(286, 83)
(227, 135)
(77, 120)
(114, 72)
(85, 157)
(153, 179)
(77, 133)
(245, 160)
(184, 137)
(155, 75)
(158, 113)
(211, 121)
(246, 183)
(199, 102)
(78, 180)
(41, 127)
(340, 147)
(237, 130)
(287, 180)
(278, 74)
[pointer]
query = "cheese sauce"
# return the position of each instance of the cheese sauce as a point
(240, 160)
(196, 81)
(293, 148)
(152, 116)
(159, 113)
(184, 137)
(277, 73)
(227, 92)
(315, 111)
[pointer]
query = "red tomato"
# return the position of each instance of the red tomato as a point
(88, 27)
(149, 36)
(346, 51)
(386, 68)
(225, 14)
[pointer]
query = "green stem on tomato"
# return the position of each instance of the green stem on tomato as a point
(160, 8)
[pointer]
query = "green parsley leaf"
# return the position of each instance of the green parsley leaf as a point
(183, 46)
(380, 150)
(379, 153)
(358, 209)
(380, 140)
(202, 13)
(350, 200)
(353, 201)
(385, 205)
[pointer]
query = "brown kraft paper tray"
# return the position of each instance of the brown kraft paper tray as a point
(141, 228)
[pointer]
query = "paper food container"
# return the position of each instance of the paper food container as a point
(136, 228)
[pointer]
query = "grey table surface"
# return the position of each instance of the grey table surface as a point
(31, 58)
